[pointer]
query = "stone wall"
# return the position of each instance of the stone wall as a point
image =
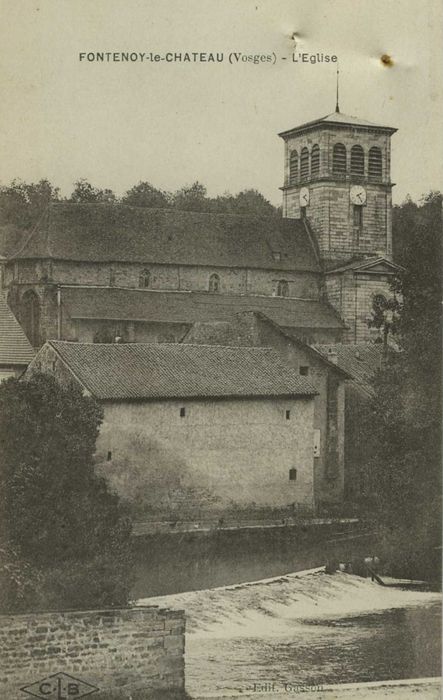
(165, 277)
(228, 452)
(330, 211)
(352, 294)
(135, 653)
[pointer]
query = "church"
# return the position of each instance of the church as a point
(303, 284)
(96, 272)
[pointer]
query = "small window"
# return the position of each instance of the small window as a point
(304, 370)
(54, 365)
(293, 167)
(339, 158)
(111, 277)
(358, 216)
(375, 162)
(315, 160)
(292, 474)
(144, 280)
(182, 412)
(304, 163)
(357, 160)
(109, 456)
(282, 288)
(288, 414)
(214, 283)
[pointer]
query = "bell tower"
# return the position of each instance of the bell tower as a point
(337, 175)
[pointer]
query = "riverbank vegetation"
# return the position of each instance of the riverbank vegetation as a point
(65, 539)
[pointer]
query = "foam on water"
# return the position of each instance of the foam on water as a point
(275, 607)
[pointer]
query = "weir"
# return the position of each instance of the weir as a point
(204, 558)
(306, 628)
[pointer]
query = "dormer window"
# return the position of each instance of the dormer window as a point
(282, 288)
(144, 281)
(214, 283)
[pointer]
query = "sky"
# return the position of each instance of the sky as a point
(171, 123)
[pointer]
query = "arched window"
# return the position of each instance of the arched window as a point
(144, 280)
(30, 316)
(214, 283)
(293, 167)
(357, 160)
(304, 163)
(282, 288)
(339, 158)
(315, 160)
(375, 162)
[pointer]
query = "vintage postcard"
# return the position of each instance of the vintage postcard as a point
(220, 349)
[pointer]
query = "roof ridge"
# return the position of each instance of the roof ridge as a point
(123, 205)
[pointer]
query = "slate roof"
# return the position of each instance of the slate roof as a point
(338, 119)
(119, 304)
(361, 361)
(118, 233)
(167, 370)
(15, 348)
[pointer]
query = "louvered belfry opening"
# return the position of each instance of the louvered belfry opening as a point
(357, 160)
(315, 160)
(375, 162)
(304, 163)
(293, 167)
(339, 158)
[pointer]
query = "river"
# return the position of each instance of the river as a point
(306, 628)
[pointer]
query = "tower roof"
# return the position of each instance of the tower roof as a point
(337, 119)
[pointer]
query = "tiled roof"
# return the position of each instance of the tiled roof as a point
(187, 307)
(361, 360)
(119, 233)
(235, 332)
(169, 370)
(339, 119)
(15, 348)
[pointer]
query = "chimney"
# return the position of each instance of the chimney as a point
(332, 356)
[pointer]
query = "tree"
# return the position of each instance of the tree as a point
(191, 198)
(251, 202)
(58, 518)
(22, 204)
(145, 195)
(85, 192)
(404, 419)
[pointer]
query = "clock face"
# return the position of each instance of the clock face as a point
(304, 197)
(358, 194)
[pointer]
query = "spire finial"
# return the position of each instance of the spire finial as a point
(337, 108)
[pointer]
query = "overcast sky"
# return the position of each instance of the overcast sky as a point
(174, 123)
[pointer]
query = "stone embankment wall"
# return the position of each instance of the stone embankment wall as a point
(132, 653)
